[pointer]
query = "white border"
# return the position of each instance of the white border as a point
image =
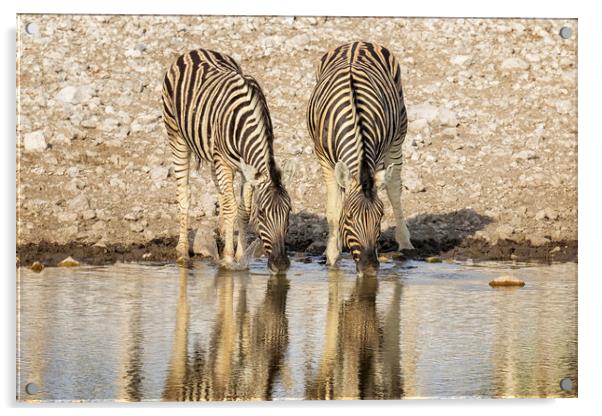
(589, 184)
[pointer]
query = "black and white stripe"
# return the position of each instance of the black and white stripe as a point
(357, 120)
(214, 111)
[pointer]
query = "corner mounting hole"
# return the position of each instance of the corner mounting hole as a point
(32, 28)
(566, 384)
(566, 32)
(31, 388)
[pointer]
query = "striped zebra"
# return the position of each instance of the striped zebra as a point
(214, 111)
(357, 119)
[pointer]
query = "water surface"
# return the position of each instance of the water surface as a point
(134, 332)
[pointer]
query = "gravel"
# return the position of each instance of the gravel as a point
(492, 110)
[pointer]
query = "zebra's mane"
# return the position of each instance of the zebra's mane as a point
(274, 172)
(365, 172)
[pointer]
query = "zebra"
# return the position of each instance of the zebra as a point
(211, 109)
(357, 120)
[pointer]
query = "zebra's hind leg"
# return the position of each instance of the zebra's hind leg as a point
(393, 184)
(224, 177)
(333, 213)
(181, 156)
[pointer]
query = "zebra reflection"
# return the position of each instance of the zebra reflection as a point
(361, 354)
(245, 351)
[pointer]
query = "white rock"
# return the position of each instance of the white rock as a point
(72, 171)
(89, 214)
(67, 217)
(79, 203)
(75, 95)
(109, 124)
(137, 227)
(525, 155)
(413, 183)
(116, 182)
(449, 133)
(447, 117)
(34, 141)
(159, 173)
(533, 57)
(511, 64)
(67, 94)
(563, 106)
(424, 111)
(461, 60)
(299, 40)
(418, 125)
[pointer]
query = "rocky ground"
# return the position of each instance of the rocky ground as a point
(490, 156)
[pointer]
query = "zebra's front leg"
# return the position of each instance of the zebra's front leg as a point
(225, 183)
(393, 184)
(244, 210)
(181, 156)
(333, 213)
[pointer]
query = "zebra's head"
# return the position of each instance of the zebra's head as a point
(270, 209)
(361, 215)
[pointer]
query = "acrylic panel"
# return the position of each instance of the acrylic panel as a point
(378, 208)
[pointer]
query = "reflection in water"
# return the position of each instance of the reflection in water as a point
(361, 354)
(130, 378)
(246, 350)
(131, 332)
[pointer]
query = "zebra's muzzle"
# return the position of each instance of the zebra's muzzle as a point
(278, 264)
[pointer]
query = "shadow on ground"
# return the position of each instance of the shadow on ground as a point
(447, 235)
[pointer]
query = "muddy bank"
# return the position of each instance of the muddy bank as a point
(162, 250)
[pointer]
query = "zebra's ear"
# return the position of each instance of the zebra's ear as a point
(342, 175)
(250, 173)
(288, 171)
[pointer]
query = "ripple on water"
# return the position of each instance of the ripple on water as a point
(139, 332)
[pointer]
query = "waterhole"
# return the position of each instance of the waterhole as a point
(136, 332)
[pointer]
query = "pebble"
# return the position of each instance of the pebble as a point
(525, 155)
(413, 183)
(79, 203)
(90, 123)
(159, 173)
(449, 133)
(67, 217)
(299, 40)
(433, 259)
(511, 64)
(137, 227)
(69, 262)
(539, 241)
(37, 267)
(461, 60)
(563, 106)
(74, 95)
(427, 112)
(35, 142)
(506, 281)
(89, 214)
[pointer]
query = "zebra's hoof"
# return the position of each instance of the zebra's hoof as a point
(405, 246)
(183, 261)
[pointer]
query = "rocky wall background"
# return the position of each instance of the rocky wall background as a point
(491, 151)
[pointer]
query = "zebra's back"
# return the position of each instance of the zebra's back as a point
(357, 109)
(213, 106)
